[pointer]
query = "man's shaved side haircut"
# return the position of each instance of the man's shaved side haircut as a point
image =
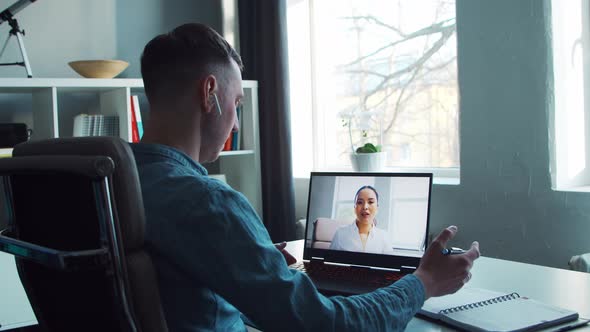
(171, 61)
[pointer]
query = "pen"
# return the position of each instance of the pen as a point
(453, 251)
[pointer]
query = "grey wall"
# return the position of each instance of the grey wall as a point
(59, 31)
(505, 198)
(138, 21)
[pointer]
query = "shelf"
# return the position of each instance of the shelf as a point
(49, 106)
(79, 84)
(236, 153)
(21, 84)
(249, 84)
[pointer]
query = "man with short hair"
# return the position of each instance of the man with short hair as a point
(212, 254)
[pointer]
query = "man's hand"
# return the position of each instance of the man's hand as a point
(288, 257)
(445, 274)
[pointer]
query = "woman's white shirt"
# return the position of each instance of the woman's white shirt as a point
(348, 238)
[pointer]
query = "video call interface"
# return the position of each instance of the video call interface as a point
(382, 214)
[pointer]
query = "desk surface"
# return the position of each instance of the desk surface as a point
(563, 288)
(567, 289)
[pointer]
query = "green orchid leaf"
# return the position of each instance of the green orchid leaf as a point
(368, 148)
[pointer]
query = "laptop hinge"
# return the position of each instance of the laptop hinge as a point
(407, 269)
(317, 260)
(358, 267)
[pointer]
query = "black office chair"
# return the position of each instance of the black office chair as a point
(76, 226)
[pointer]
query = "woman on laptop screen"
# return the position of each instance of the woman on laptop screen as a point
(362, 235)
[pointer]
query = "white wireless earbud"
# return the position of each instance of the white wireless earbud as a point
(217, 104)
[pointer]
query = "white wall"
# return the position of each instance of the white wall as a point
(59, 31)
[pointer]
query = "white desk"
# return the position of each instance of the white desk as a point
(564, 288)
(567, 289)
(15, 310)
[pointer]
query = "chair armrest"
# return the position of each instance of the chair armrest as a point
(91, 166)
(57, 259)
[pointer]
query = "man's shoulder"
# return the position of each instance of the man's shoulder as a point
(185, 192)
(193, 181)
(163, 175)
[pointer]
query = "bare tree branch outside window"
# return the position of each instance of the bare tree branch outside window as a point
(411, 80)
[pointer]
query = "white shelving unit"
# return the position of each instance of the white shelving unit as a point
(48, 106)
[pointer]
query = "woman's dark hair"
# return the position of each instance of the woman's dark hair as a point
(172, 61)
(366, 187)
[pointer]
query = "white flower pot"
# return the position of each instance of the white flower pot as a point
(368, 162)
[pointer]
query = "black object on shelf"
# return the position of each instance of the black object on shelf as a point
(13, 133)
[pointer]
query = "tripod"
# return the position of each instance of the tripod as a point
(16, 31)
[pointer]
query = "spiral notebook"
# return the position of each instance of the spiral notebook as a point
(477, 309)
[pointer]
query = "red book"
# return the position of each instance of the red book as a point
(134, 131)
(227, 145)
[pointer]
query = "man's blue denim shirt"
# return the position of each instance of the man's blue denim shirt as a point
(215, 259)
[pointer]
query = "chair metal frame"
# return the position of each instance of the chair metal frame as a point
(99, 170)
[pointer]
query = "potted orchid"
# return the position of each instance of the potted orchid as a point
(366, 156)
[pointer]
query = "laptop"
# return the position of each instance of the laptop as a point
(392, 212)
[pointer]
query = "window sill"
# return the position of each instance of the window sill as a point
(446, 181)
(579, 189)
(441, 176)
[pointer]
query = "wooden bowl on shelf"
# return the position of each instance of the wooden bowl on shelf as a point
(98, 68)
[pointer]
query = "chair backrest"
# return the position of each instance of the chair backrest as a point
(324, 230)
(76, 225)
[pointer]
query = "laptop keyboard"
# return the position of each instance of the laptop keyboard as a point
(377, 278)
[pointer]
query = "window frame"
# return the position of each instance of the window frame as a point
(447, 175)
(566, 111)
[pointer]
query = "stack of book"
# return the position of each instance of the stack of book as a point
(136, 123)
(96, 125)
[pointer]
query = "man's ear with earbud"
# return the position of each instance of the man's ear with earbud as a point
(207, 88)
(216, 102)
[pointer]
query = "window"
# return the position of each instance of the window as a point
(374, 71)
(569, 123)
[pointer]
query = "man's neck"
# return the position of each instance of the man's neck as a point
(177, 132)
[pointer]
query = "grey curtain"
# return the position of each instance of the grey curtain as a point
(263, 47)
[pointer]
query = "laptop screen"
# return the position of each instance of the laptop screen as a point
(368, 219)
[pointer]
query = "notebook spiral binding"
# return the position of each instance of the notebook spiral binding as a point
(498, 299)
